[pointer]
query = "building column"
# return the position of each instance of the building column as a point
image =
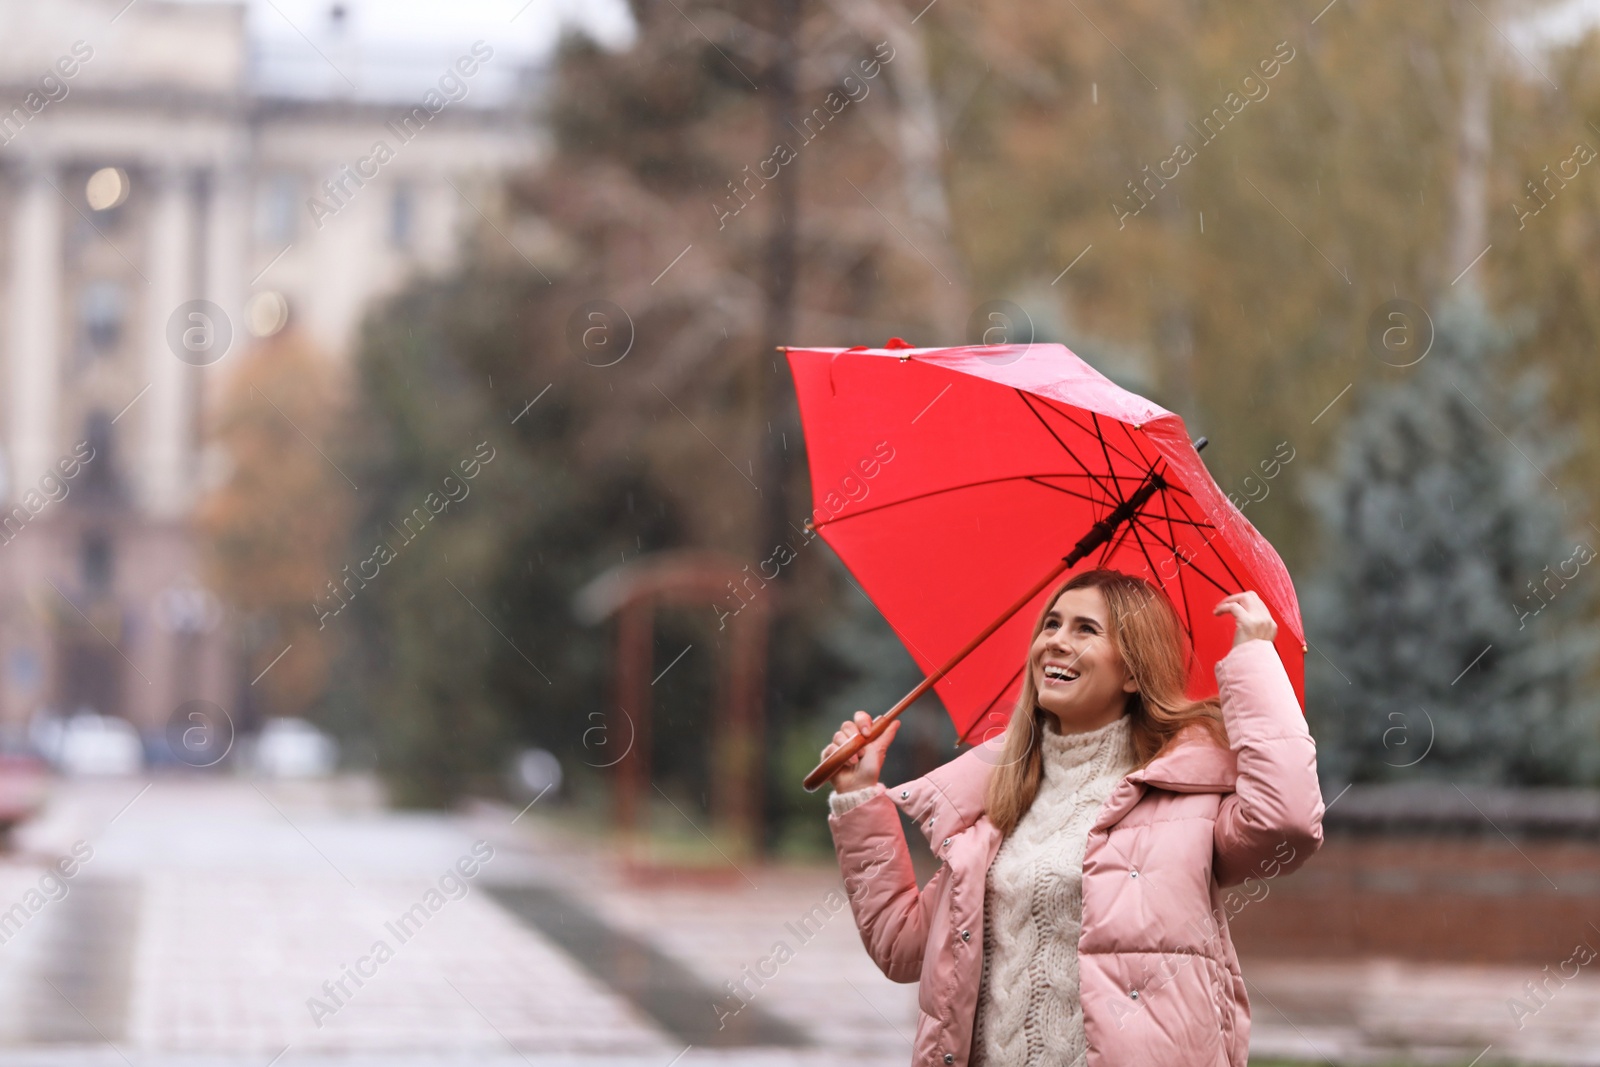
(227, 246)
(34, 341)
(168, 439)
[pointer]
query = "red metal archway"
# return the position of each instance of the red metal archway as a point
(633, 592)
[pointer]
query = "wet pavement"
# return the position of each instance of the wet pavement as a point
(234, 922)
(222, 921)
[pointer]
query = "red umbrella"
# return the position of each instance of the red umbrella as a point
(958, 485)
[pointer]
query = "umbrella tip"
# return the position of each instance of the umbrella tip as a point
(1201, 443)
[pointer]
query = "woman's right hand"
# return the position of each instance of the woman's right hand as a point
(863, 768)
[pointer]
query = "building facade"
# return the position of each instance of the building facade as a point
(170, 191)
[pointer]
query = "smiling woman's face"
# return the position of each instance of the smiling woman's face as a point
(1080, 678)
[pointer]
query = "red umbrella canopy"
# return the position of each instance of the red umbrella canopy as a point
(950, 480)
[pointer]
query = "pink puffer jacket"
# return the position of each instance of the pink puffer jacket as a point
(1159, 981)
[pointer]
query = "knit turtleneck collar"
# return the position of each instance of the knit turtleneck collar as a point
(1111, 744)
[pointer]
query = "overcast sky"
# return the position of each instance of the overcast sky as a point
(395, 49)
(526, 29)
(530, 27)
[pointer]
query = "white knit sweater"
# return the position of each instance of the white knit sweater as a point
(1028, 1011)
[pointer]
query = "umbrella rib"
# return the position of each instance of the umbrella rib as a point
(1183, 591)
(1105, 450)
(1155, 574)
(1166, 513)
(957, 488)
(1185, 511)
(1141, 458)
(1187, 518)
(1028, 403)
(1189, 563)
(1034, 478)
(1077, 474)
(1115, 479)
(1181, 520)
(1127, 432)
(1171, 545)
(1113, 476)
(1138, 443)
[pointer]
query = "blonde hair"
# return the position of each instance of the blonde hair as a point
(1144, 629)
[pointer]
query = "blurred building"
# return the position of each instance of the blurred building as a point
(170, 190)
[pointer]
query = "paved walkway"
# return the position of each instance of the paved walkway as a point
(212, 912)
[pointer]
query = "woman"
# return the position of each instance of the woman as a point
(1079, 917)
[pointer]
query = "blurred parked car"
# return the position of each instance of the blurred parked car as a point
(24, 781)
(91, 744)
(293, 748)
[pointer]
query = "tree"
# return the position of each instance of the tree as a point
(1344, 170)
(1452, 620)
(665, 197)
(274, 529)
(464, 645)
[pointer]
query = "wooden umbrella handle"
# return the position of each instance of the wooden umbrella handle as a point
(844, 753)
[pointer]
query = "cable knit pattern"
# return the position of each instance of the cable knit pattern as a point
(1028, 1010)
(839, 803)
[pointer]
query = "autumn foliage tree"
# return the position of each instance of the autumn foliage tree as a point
(274, 528)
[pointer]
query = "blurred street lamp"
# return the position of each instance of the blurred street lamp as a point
(107, 188)
(537, 771)
(266, 313)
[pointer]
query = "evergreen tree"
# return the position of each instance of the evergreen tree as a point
(1452, 622)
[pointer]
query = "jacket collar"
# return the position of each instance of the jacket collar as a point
(1192, 763)
(951, 798)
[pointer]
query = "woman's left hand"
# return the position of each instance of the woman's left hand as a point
(1250, 615)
